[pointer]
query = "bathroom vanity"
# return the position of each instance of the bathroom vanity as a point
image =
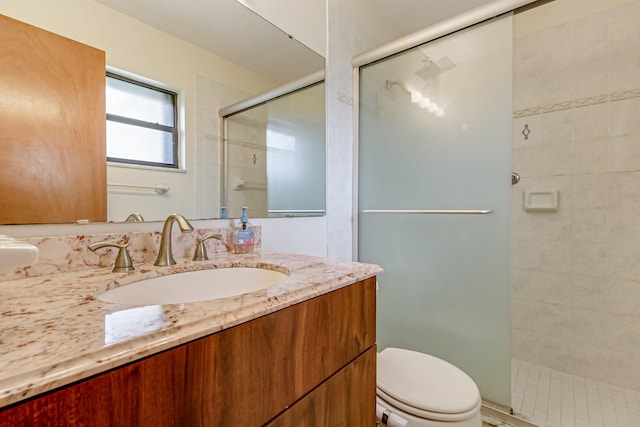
(301, 352)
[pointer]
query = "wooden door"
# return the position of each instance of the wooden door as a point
(52, 127)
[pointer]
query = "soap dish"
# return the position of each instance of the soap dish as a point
(15, 253)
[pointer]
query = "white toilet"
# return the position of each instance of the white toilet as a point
(426, 391)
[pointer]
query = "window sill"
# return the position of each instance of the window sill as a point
(153, 168)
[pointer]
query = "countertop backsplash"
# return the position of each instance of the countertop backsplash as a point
(64, 254)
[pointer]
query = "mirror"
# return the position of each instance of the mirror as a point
(275, 155)
(231, 55)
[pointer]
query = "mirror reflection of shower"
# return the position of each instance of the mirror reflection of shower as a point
(424, 89)
(274, 152)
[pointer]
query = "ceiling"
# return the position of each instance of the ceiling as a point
(228, 29)
(410, 16)
(232, 31)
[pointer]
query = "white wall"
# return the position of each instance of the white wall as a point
(298, 235)
(353, 28)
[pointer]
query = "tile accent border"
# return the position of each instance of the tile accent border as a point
(213, 138)
(246, 144)
(582, 102)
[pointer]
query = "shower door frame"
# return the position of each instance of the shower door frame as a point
(444, 28)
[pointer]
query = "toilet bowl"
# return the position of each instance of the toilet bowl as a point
(426, 390)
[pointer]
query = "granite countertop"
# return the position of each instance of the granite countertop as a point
(54, 331)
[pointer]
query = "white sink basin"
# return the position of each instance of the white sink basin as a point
(192, 286)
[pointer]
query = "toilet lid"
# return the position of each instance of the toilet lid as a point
(425, 382)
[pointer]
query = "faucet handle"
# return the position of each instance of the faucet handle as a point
(123, 260)
(200, 254)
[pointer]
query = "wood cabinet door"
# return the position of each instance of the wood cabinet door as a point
(52, 127)
(347, 399)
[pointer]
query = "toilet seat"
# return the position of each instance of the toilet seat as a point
(426, 386)
(424, 414)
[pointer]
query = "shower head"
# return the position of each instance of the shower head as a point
(432, 69)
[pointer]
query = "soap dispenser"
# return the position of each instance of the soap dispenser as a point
(243, 235)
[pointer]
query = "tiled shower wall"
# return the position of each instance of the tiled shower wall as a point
(576, 271)
(211, 97)
(247, 162)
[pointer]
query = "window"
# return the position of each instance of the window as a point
(141, 123)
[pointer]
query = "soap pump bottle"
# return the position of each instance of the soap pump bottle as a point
(243, 235)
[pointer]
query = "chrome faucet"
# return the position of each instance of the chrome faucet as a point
(134, 217)
(165, 256)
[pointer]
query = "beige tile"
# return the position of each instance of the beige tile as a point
(542, 225)
(589, 292)
(588, 55)
(556, 127)
(588, 191)
(589, 225)
(556, 75)
(622, 225)
(555, 256)
(623, 261)
(623, 297)
(624, 190)
(623, 38)
(542, 160)
(589, 258)
(527, 79)
(590, 157)
(624, 153)
(541, 286)
(624, 117)
(525, 254)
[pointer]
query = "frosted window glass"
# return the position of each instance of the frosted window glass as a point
(138, 102)
(139, 144)
(141, 123)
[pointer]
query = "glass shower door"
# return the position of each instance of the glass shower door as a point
(434, 183)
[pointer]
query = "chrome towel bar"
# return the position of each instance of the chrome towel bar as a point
(278, 211)
(158, 188)
(429, 211)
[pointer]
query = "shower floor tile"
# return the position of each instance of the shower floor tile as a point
(552, 398)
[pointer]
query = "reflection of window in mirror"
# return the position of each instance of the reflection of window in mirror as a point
(141, 123)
